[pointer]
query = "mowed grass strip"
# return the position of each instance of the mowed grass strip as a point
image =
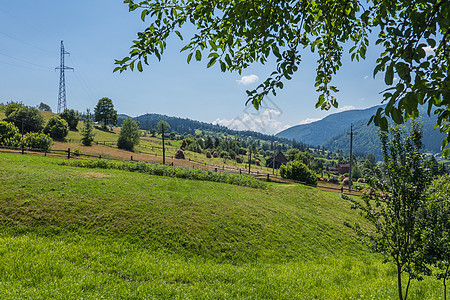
(71, 233)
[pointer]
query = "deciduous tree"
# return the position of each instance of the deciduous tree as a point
(105, 112)
(129, 134)
(413, 35)
(72, 118)
(392, 203)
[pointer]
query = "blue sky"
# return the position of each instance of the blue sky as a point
(96, 32)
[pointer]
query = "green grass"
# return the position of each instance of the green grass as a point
(71, 233)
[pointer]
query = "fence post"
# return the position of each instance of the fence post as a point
(240, 171)
(268, 179)
(68, 153)
(215, 169)
(45, 153)
(100, 157)
(131, 157)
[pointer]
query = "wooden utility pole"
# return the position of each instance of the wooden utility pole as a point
(351, 158)
(164, 148)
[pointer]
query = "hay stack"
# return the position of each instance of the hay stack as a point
(341, 178)
(215, 154)
(208, 154)
(179, 154)
(345, 181)
(239, 159)
(360, 180)
(258, 163)
(183, 144)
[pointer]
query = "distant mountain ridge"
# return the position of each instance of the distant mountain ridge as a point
(317, 133)
(332, 132)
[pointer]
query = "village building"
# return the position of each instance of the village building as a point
(280, 159)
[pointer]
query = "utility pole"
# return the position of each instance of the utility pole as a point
(62, 104)
(351, 158)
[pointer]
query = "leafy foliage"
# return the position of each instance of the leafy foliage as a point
(12, 107)
(9, 134)
(129, 135)
(434, 222)
(44, 107)
(105, 112)
(236, 34)
(163, 170)
(72, 118)
(297, 170)
(392, 203)
(57, 128)
(38, 140)
(24, 117)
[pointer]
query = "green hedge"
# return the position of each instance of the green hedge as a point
(162, 170)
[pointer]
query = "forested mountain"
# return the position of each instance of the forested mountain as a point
(317, 133)
(188, 126)
(332, 132)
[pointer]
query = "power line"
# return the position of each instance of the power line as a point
(26, 23)
(20, 66)
(25, 61)
(26, 43)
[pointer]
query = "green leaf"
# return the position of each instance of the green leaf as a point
(189, 57)
(403, 71)
(198, 55)
(396, 115)
(179, 34)
(383, 122)
(389, 76)
(139, 66)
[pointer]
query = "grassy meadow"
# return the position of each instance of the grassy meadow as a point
(79, 233)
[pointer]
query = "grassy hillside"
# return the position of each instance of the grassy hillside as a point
(71, 233)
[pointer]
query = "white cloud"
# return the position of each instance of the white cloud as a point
(395, 79)
(366, 77)
(308, 120)
(428, 50)
(346, 107)
(264, 122)
(246, 80)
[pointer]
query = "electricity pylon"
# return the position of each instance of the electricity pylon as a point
(62, 104)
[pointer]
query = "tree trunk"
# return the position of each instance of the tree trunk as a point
(399, 282)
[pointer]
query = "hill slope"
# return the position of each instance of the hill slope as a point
(72, 233)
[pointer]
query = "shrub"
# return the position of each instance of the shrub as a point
(223, 154)
(296, 170)
(57, 128)
(38, 141)
(9, 134)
